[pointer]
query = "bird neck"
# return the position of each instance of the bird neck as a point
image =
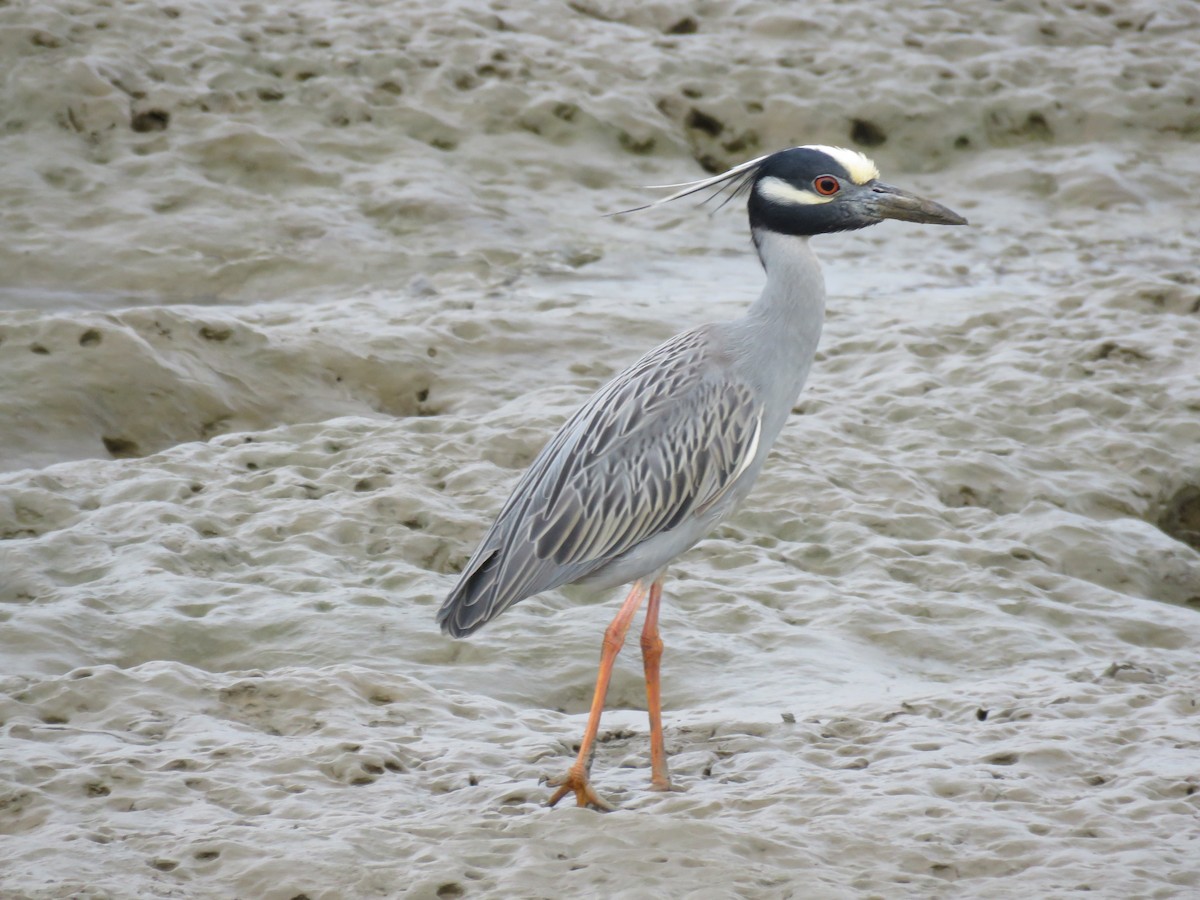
(773, 345)
(792, 303)
(776, 339)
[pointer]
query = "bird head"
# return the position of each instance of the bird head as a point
(815, 190)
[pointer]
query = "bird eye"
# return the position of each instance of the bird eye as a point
(826, 185)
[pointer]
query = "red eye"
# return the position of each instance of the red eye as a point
(826, 185)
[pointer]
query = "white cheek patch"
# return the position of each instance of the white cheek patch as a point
(860, 167)
(780, 191)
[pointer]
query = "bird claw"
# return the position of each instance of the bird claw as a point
(578, 783)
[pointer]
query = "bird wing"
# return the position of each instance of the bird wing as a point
(663, 441)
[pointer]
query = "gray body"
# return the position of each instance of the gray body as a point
(659, 456)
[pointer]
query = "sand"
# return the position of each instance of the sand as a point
(291, 294)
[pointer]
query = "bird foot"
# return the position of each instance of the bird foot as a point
(577, 781)
(661, 784)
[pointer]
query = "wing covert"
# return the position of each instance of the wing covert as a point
(665, 440)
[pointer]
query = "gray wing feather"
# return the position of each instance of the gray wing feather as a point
(663, 441)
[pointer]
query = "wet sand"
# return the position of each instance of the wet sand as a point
(293, 292)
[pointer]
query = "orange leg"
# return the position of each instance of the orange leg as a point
(652, 648)
(576, 778)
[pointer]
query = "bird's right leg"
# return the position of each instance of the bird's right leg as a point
(576, 778)
(652, 648)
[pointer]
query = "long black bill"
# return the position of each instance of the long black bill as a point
(889, 202)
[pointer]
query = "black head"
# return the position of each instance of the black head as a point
(816, 190)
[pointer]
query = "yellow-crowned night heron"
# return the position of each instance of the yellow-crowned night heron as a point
(672, 445)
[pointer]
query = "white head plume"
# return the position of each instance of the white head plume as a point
(860, 167)
(741, 173)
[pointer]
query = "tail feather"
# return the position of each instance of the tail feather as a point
(472, 603)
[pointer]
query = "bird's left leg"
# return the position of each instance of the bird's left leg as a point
(576, 778)
(652, 648)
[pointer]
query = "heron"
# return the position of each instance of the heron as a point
(673, 444)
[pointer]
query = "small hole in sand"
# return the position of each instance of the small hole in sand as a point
(150, 120)
(702, 121)
(866, 134)
(210, 333)
(1180, 517)
(120, 448)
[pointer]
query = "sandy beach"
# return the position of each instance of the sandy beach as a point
(291, 293)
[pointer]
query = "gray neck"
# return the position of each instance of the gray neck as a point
(774, 342)
(793, 298)
(779, 332)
